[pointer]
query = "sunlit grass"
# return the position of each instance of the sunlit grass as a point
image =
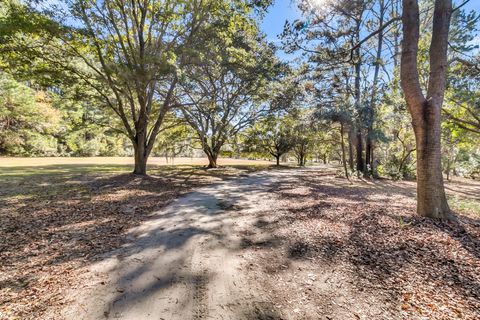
(22, 171)
(464, 205)
(48, 179)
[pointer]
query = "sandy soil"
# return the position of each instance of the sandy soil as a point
(186, 263)
(57, 219)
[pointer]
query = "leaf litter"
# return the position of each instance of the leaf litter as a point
(358, 250)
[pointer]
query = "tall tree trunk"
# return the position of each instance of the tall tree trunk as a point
(358, 99)
(350, 148)
(359, 147)
(277, 158)
(373, 162)
(396, 41)
(371, 108)
(426, 111)
(431, 199)
(344, 161)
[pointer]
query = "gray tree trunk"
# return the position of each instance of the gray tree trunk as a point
(369, 171)
(344, 161)
(350, 147)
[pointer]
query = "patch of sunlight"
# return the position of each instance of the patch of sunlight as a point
(465, 205)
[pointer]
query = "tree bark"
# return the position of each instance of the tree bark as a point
(344, 161)
(277, 158)
(301, 161)
(426, 111)
(371, 107)
(359, 147)
(141, 155)
(212, 159)
(358, 99)
(301, 157)
(431, 199)
(350, 148)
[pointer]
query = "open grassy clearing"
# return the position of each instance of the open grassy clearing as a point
(120, 161)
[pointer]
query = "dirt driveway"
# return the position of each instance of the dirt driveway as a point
(185, 263)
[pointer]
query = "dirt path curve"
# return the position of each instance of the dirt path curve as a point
(185, 263)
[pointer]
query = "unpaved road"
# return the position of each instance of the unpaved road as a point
(185, 263)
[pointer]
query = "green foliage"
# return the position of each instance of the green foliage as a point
(27, 43)
(27, 120)
(228, 86)
(468, 162)
(59, 98)
(273, 136)
(177, 139)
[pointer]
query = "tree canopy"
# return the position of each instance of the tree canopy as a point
(115, 77)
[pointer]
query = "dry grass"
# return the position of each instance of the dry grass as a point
(152, 161)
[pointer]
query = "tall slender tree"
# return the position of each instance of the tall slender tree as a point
(371, 105)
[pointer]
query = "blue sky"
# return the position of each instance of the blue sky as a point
(283, 10)
(276, 16)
